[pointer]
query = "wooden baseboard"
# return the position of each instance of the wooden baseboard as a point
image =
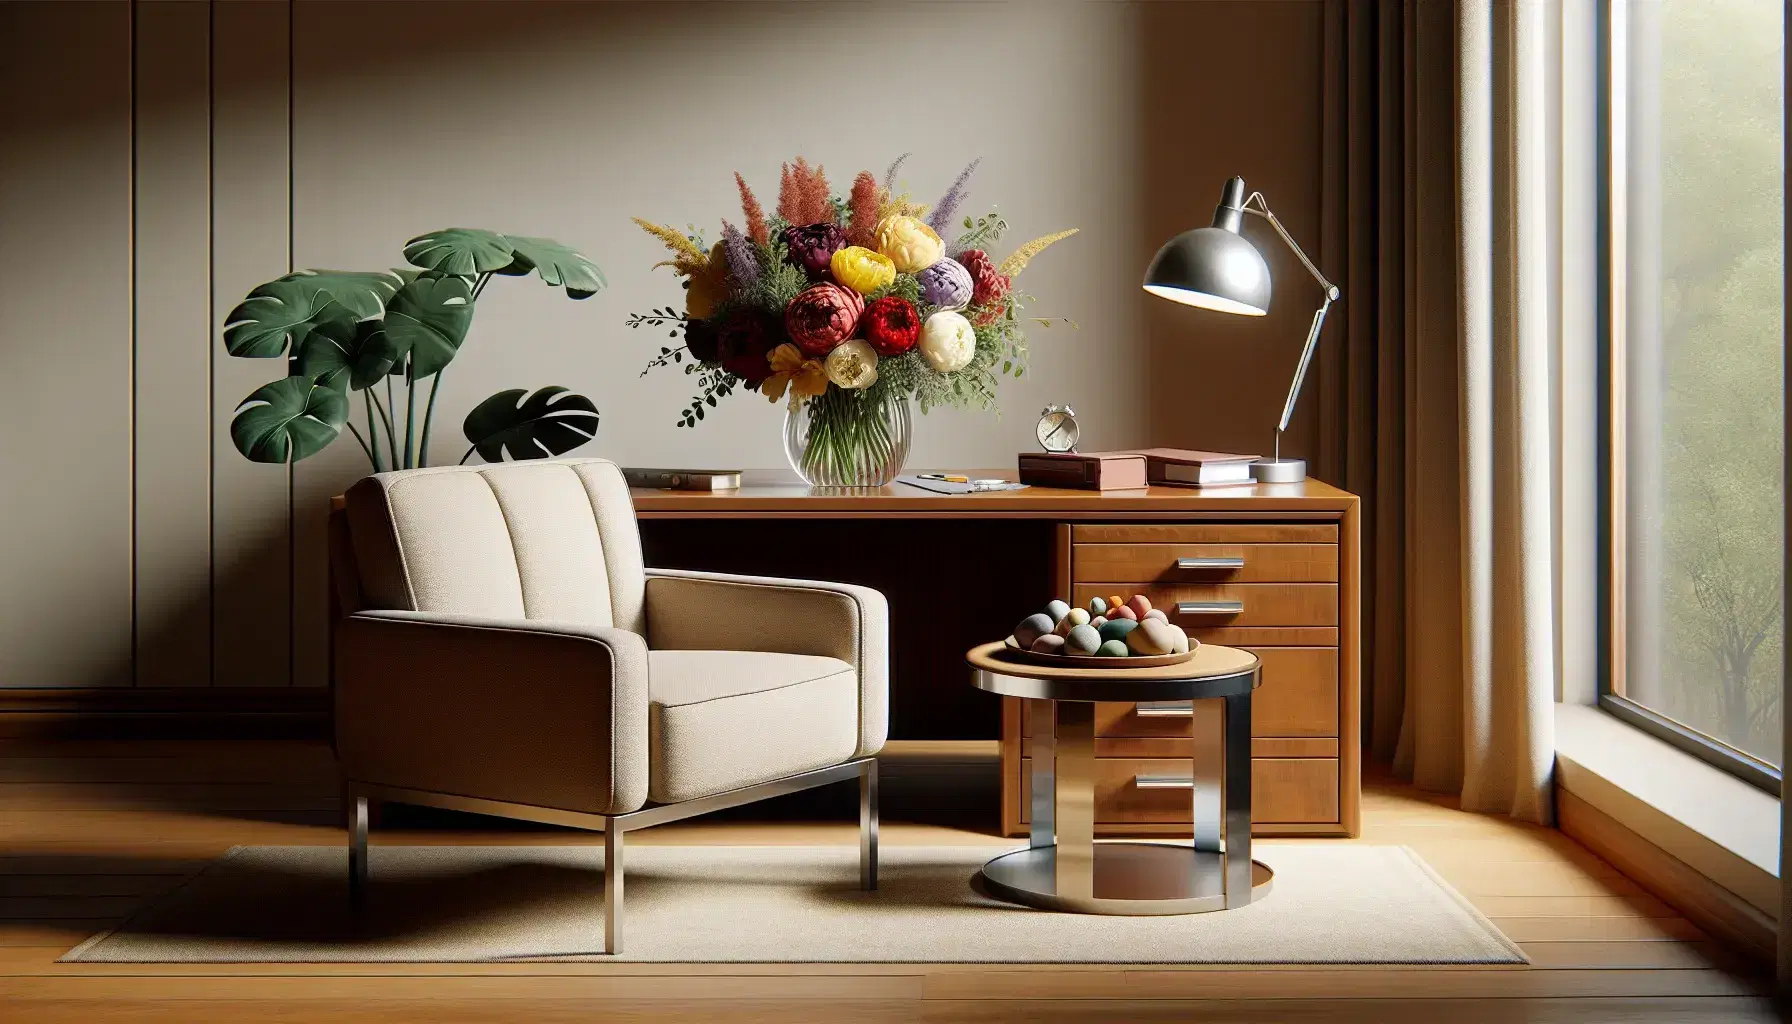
(165, 713)
(1718, 911)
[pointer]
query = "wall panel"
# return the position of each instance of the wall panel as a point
(65, 393)
(251, 230)
(173, 343)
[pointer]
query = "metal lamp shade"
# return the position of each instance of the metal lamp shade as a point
(1213, 268)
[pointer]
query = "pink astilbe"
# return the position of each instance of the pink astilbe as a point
(941, 218)
(803, 195)
(749, 208)
(862, 208)
(743, 266)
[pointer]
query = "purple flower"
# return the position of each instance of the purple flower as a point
(743, 266)
(941, 219)
(890, 175)
(946, 284)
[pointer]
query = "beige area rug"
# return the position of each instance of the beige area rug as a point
(1330, 904)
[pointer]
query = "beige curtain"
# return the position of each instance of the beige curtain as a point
(1444, 389)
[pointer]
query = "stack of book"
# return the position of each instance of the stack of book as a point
(1108, 471)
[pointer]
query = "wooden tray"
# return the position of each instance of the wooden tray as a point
(1086, 661)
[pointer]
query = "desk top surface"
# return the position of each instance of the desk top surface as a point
(761, 498)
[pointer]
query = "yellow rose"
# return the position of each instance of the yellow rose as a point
(911, 245)
(709, 286)
(862, 270)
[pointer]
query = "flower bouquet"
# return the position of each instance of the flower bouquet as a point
(848, 309)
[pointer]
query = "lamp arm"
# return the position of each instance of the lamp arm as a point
(1261, 209)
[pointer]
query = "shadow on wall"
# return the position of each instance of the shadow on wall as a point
(1233, 88)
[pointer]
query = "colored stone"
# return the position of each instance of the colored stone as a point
(1050, 643)
(1113, 649)
(1116, 629)
(1032, 628)
(1084, 640)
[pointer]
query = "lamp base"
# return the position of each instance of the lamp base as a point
(1279, 471)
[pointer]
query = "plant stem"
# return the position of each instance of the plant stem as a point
(429, 416)
(386, 419)
(479, 285)
(391, 432)
(470, 450)
(410, 416)
(364, 448)
(373, 434)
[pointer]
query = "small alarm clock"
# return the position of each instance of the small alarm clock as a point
(1057, 430)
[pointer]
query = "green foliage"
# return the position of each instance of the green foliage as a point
(980, 233)
(350, 330)
(429, 318)
(288, 420)
(779, 279)
(552, 421)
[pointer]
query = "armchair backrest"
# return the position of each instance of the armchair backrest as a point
(537, 540)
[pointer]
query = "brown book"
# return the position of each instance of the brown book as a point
(1090, 471)
(1182, 467)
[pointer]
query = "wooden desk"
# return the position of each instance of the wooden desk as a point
(962, 569)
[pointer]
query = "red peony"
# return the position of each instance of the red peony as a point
(988, 286)
(822, 317)
(745, 342)
(892, 324)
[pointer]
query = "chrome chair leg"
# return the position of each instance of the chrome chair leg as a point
(357, 850)
(868, 825)
(612, 887)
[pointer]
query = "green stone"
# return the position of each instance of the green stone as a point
(1116, 629)
(1113, 649)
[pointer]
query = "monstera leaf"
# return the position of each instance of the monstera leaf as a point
(362, 293)
(288, 420)
(428, 318)
(553, 421)
(462, 252)
(280, 313)
(343, 354)
(557, 264)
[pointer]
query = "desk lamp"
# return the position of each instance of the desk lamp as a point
(1217, 268)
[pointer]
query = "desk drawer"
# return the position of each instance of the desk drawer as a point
(1206, 563)
(1299, 697)
(1284, 790)
(1229, 604)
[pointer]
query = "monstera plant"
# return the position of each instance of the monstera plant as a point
(390, 331)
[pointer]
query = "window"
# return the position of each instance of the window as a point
(1692, 223)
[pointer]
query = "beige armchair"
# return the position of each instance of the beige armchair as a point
(500, 648)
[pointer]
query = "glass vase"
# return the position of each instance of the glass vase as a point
(844, 438)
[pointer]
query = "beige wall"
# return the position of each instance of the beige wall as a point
(149, 162)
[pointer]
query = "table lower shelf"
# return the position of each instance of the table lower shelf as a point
(1130, 879)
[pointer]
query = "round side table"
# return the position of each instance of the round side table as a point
(1062, 867)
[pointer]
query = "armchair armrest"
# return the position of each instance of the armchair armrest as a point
(705, 611)
(552, 714)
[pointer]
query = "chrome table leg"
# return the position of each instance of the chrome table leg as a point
(868, 825)
(1074, 780)
(1042, 807)
(1207, 731)
(613, 887)
(1238, 800)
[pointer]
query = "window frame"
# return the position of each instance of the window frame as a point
(1609, 149)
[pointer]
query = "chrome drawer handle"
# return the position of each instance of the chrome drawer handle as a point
(1165, 709)
(1210, 563)
(1209, 607)
(1163, 781)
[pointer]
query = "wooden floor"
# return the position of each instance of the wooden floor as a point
(90, 830)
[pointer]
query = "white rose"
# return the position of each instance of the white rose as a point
(852, 364)
(947, 341)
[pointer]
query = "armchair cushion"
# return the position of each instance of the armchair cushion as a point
(719, 612)
(720, 720)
